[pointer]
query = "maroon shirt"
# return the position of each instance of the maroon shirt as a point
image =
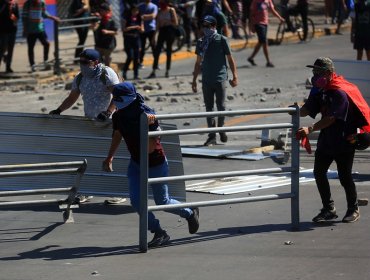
(131, 134)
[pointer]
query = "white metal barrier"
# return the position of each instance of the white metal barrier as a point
(53, 168)
(145, 180)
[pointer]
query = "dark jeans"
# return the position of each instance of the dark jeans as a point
(7, 42)
(344, 163)
(31, 41)
(166, 34)
(144, 36)
(210, 91)
(132, 48)
(82, 36)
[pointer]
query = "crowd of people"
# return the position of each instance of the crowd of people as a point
(156, 23)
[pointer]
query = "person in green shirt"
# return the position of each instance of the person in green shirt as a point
(33, 14)
(212, 52)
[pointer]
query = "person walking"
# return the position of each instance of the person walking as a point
(9, 15)
(92, 83)
(33, 14)
(105, 32)
(132, 27)
(80, 9)
(343, 111)
(212, 51)
(166, 24)
(148, 12)
(126, 124)
(259, 14)
(360, 31)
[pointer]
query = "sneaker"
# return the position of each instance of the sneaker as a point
(33, 68)
(141, 66)
(167, 74)
(351, 216)
(325, 215)
(210, 141)
(251, 61)
(83, 198)
(9, 70)
(223, 137)
(152, 75)
(160, 238)
(115, 200)
(269, 64)
(193, 221)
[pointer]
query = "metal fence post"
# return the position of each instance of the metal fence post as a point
(295, 170)
(56, 49)
(143, 211)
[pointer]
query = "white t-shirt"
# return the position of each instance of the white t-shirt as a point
(94, 92)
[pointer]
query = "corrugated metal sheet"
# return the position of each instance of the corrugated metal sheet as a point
(33, 138)
(241, 184)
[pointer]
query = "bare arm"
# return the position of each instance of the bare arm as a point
(116, 141)
(174, 18)
(321, 124)
(70, 100)
(275, 13)
(234, 81)
(196, 73)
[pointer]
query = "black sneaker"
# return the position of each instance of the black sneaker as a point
(152, 75)
(160, 238)
(351, 216)
(325, 215)
(223, 137)
(193, 221)
(251, 61)
(270, 65)
(210, 141)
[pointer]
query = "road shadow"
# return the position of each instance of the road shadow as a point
(54, 252)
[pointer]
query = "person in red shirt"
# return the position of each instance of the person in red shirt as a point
(259, 14)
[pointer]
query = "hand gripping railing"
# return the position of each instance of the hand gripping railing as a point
(145, 181)
(54, 168)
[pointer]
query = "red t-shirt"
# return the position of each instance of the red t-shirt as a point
(260, 11)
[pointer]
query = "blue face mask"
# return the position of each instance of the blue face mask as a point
(208, 31)
(89, 71)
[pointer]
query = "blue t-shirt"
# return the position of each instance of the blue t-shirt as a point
(334, 103)
(149, 25)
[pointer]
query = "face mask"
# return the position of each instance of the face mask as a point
(208, 31)
(319, 81)
(88, 71)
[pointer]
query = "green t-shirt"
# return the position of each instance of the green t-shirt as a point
(214, 67)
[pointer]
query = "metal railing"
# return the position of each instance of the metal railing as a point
(18, 170)
(58, 28)
(145, 180)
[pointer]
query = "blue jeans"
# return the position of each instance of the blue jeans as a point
(160, 192)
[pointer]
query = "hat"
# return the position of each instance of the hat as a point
(90, 54)
(323, 63)
(123, 94)
(210, 20)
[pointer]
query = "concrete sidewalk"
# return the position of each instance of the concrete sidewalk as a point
(22, 69)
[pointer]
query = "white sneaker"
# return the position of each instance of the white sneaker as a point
(115, 200)
(84, 198)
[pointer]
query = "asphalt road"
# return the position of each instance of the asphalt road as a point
(243, 241)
